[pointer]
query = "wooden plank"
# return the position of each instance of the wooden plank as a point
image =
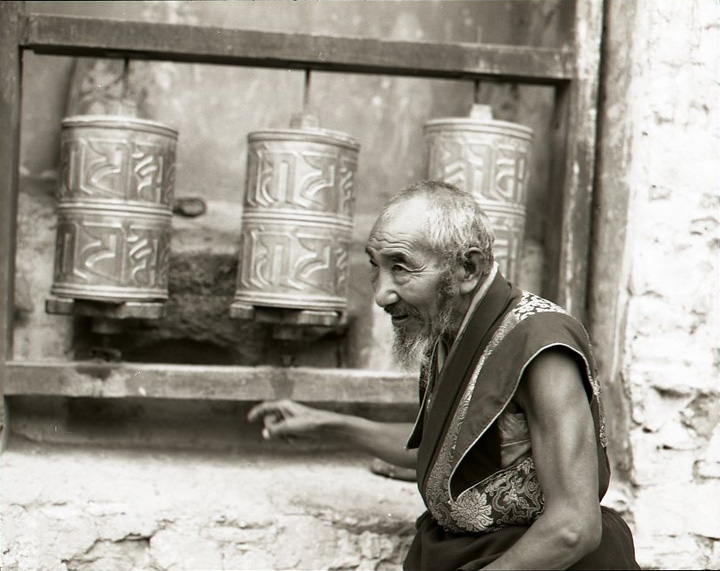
(10, 98)
(140, 380)
(87, 37)
(554, 232)
(607, 308)
(575, 137)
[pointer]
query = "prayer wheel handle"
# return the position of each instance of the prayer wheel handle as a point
(190, 207)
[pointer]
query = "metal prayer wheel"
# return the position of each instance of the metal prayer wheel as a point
(297, 220)
(489, 159)
(114, 209)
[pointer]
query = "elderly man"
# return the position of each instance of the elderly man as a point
(509, 442)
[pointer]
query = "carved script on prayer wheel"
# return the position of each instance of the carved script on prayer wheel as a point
(114, 209)
(297, 219)
(490, 159)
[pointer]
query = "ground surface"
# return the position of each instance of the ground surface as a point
(81, 509)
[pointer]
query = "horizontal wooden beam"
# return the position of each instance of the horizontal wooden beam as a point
(140, 380)
(62, 35)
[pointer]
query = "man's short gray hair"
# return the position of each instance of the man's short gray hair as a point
(454, 221)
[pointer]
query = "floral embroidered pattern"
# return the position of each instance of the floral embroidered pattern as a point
(437, 489)
(531, 304)
(511, 496)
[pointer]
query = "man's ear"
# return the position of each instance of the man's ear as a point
(471, 272)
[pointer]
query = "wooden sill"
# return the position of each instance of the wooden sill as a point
(207, 382)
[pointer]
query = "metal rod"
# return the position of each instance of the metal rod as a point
(306, 91)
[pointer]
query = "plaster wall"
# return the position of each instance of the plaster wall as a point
(655, 303)
(124, 510)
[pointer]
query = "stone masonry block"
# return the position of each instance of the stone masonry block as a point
(663, 552)
(172, 511)
(184, 549)
(128, 555)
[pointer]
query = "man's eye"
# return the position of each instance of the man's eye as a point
(399, 268)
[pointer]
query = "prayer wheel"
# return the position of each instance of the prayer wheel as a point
(114, 209)
(297, 220)
(489, 159)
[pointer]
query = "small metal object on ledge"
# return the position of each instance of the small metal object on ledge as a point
(189, 206)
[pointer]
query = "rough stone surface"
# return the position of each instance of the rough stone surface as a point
(668, 141)
(84, 509)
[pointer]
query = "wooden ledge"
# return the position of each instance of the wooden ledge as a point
(207, 382)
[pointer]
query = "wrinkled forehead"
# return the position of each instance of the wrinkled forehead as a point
(402, 224)
(407, 216)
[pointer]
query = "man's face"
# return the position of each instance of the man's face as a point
(411, 283)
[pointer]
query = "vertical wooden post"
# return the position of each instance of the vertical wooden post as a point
(10, 99)
(606, 303)
(574, 164)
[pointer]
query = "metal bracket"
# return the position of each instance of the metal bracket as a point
(291, 323)
(106, 310)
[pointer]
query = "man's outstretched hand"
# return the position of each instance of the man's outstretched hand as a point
(286, 418)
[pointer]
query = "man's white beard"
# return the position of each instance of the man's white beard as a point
(411, 351)
(414, 350)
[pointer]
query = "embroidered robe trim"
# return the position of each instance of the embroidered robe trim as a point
(459, 469)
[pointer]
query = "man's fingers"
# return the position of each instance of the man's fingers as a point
(274, 429)
(273, 419)
(281, 408)
(263, 409)
(259, 411)
(280, 419)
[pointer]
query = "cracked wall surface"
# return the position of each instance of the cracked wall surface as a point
(660, 159)
(83, 509)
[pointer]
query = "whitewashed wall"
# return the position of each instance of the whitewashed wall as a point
(661, 160)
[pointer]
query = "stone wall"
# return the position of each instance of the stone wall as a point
(657, 258)
(85, 509)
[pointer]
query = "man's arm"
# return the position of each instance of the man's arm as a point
(382, 439)
(564, 450)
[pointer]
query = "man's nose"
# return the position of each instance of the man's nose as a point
(385, 293)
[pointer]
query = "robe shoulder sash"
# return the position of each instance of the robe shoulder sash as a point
(467, 451)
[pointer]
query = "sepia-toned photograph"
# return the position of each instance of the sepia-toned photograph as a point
(363, 285)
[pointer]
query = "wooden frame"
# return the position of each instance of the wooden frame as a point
(573, 169)
(10, 79)
(86, 37)
(216, 382)
(574, 73)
